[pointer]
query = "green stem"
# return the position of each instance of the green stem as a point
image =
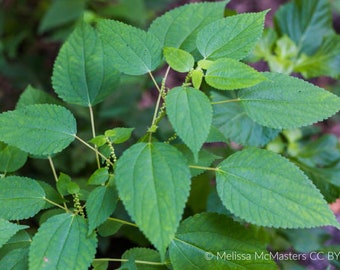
(204, 168)
(94, 149)
(126, 260)
(154, 81)
(226, 101)
(94, 133)
(53, 169)
(123, 222)
(56, 204)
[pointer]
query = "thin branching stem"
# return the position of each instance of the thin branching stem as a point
(204, 168)
(94, 133)
(56, 204)
(126, 260)
(53, 169)
(154, 81)
(226, 101)
(122, 221)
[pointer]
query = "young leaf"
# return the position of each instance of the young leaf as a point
(229, 74)
(8, 229)
(33, 96)
(178, 27)
(325, 61)
(11, 158)
(153, 182)
(178, 59)
(62, 243)
(41, 129)
(100, 205)
(232, 37)
(213, 241)
(312, 20)
(197, 78)
(248, 173)
(233, 122)
(190, 113)
(20, 197)
(132, 50)
(99, 177)
(119, 135)
(82, 73)
(287, 102)
(136, 257)
(65, 186)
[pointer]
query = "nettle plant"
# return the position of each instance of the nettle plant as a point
(221, 99)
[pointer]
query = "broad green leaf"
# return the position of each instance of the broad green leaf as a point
(21, 240)
(20, 197)
(131, 50)
(229, 74)
(82, 73)
(213, 241)
(232, 37)
(62, 243)
(136, 256)
(65, 186)
(232, 121)
(11, 158)
(109, 227)
(325, 61)
(178, 27)
(100, 265)
(8, 229)
(41, 129)
(33, 96)
(306, 22)
(119, 135)
(190, 113)
(248, 173)
(16, 259)
(100, 205)
(287, 102)
(179, 60)
(153, 181)
(99, 177)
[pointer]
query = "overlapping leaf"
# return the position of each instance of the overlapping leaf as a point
(287, 102)
(190, 113)
(11, 158)
(142, 255)
(82, 73)
(62, 243)
(232, 37)
(178, 59)
(153, 181)
(232, 121)
(212, 241)
(20, 197)
(131, 50)
(229, 74)
(179, 27)
(41, 129)
(8, 229)
(288, 198)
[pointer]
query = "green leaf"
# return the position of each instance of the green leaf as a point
(142, 254)
(197, 78)
(71, 10)
(178, 27)
(16, 259)
(65, 186)
(119, 135)
(32, 96)
(229, 74)
(11, 158)
(100, 205)
(153, 181)
(21, 240)
(324, 62)
(306, 22)
(132, 50)
(287, 102)
(41, 129)
(20, 197)
(99, 140)
(232, 37)
(232, 121)
(82, 73)
(212, 241)
(109, 227)
(51, 194)
(99, 177)
(248, 173)
(8, 229)
(62, 243)
(178, 59)
(190, 113)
